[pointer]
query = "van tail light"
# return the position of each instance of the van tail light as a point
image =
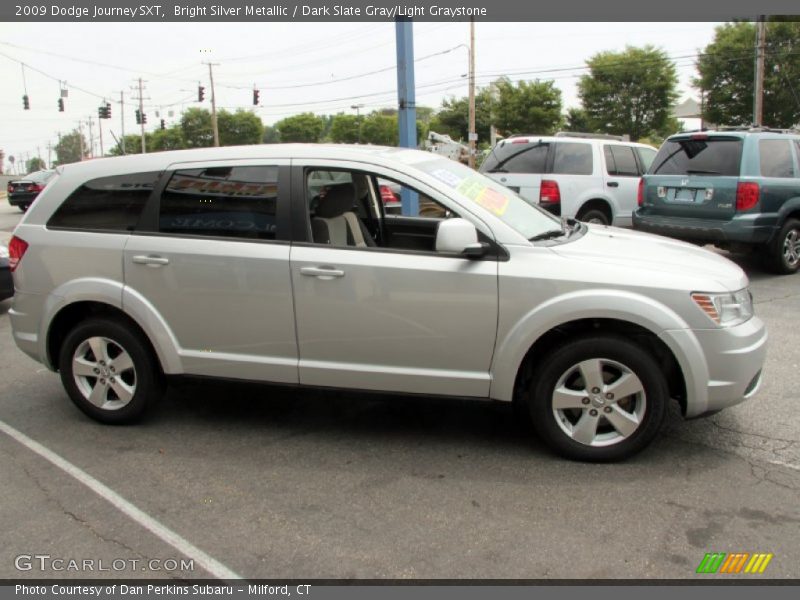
(747, 194)
(549, 192)
(35, 188)
(16, 250)
(640, 192)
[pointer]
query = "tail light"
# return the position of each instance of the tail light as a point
(747, 194)
(34, 187)
(10, 188)
(387, 195)
(16, 250)
(640, 193)
(549, 192)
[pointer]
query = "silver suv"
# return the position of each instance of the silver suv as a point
(279, 264)
(591, 177)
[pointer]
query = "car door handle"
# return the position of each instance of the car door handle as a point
(321, 272)
(612, 184)
(151, 261)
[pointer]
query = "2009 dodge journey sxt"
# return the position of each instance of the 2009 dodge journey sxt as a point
(279, 264)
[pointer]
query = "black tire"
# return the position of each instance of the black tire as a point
(611, 352)
(779, 258)
(24, 207)
(594, 215)
(144, 377)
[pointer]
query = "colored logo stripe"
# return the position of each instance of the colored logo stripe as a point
(735, 562)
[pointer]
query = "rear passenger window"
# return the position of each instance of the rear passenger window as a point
(106, 204)
(238, 202)
(572, 159)
(515, 157)
(620, 161)
(776, 158)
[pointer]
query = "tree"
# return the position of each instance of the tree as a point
(196, 128)
(271, 135)
(161, 139)
(239, 128)
(527, 107)
(305, 127)
(630, 92)
(68, 149)
(345, 129)
(133, 145)
(453, 117)
(35, 164)
(379, 129)
(577, 120)
(726, 74)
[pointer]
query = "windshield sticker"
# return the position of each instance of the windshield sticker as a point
(488, 198)
(447, 177)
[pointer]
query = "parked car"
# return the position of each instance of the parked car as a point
(22, 192)
(736, 188)
(6, 281)
(590, 177)
(218, 262)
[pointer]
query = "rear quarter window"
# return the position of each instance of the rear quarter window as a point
(106, 203)
(775, 157)
(573, 159)
(511, 157)
(711, 156)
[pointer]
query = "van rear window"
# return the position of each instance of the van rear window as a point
(711, 156)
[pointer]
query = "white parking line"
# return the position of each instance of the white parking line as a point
(213, 566)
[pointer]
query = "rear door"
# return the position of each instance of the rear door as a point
(518, 164)
(695, 176)
(621, 177)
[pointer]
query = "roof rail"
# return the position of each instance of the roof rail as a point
(594, 136)
(756, 129)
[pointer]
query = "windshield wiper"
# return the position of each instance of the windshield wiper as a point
(701, 172)
(548, 235)
(497, 171)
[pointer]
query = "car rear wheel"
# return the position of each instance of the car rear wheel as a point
(24, 207)
(598, 398)
(594, 215)
(783, 253)
(109, 371)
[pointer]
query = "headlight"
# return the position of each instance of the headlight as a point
(726, 310)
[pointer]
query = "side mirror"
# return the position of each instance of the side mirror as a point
(459, 236)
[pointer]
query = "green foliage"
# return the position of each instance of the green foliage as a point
(577, 120)
(239, 128)
(305, 127)
(68, 149)
(160, 139)
(344, 129)
(271, 135)
(726, 74)
(379, 129)
(630, 92)
(527, 107)
(196, 128)
(35, 164)
(133, 145)
(453, 117)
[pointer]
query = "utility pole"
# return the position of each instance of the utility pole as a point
(100, 130)
(141, 113)
(758, 94)
(214, 127)
(91, 138)
(80, 138)
(122, 120)
(473, 136)
(49, 154)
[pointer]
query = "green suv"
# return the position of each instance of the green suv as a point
(735, 188)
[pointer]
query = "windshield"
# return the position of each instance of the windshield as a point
(529, 220)
(710, 156)
(39, 176)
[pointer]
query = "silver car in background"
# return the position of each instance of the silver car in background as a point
(237, 263)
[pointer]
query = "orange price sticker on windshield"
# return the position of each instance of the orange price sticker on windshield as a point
(493, 200)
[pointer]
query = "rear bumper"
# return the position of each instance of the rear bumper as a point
(742, 229)
(21, 199)
(23, 314)
(6, 283)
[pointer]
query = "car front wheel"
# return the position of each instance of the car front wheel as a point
(598, 398)
(109, 371)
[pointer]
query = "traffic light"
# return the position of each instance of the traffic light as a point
(201, 93)
(144, 118)
(101, 112)
(108, 111)
(256, 94)
(138, 117)
(60, 105)
(26, 104)
(163, 124)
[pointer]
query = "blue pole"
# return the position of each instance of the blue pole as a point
(406, 102)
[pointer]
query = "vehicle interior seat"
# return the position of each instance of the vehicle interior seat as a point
(334, 221)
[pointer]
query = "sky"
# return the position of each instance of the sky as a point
(324, 68)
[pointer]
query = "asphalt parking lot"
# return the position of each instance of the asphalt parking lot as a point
(276, 483)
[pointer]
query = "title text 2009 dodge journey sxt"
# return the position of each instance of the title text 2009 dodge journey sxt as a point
(225, 262)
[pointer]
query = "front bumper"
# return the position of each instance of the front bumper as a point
(724, 366)
(742, 229)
